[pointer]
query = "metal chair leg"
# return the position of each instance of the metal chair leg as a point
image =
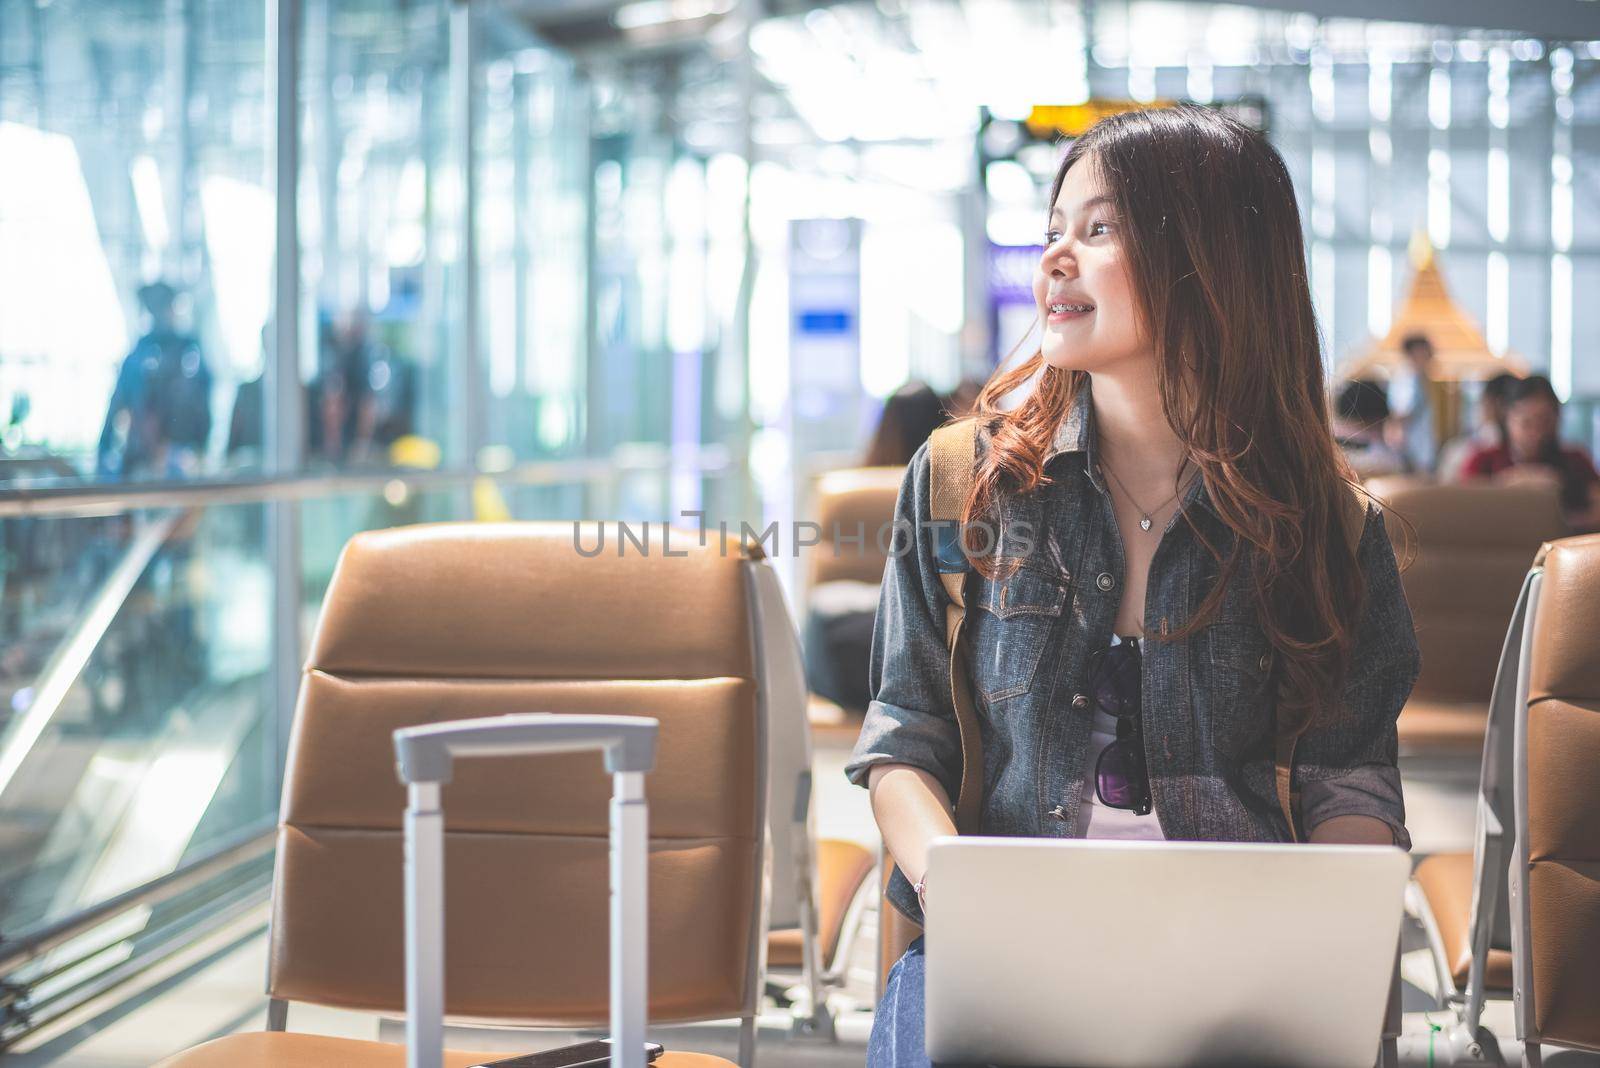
(747, 1042)
(1389, 1046)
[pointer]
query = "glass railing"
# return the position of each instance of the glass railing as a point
(133, 702)
(141, 727)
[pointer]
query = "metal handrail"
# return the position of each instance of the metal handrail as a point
(40, 1014)
(73, 653)
(123, 497)
(253, 842)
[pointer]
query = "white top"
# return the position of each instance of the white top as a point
(1103, 821)
(1409, 402)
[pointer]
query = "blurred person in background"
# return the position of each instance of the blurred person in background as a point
(839, 614)
(1412, 430)
(246, 422)
(342, 412)
(909, 415)
(1532, 453)
(1489, 431)
(1359, 414)
(159, 416)
(963, 400)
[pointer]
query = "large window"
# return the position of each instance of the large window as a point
(532, 166)
(380, 203)
(135, 237)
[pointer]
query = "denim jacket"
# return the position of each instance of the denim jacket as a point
(1207, 699)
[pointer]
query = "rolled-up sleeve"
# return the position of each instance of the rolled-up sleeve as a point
(1347, 766)
(910, 719)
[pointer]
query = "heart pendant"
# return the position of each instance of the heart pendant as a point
(1144, 524)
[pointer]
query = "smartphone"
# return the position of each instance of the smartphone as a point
(595, 1054)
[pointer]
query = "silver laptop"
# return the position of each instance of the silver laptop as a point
(1099, 954)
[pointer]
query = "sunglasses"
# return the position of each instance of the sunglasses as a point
(1120, 777)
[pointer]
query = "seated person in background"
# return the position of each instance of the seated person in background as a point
(839, 614)
(910, 414)
(1489, 431)
(1359, 413)
(963, 400)
(1532, 452)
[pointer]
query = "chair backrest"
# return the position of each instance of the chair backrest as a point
(1556, 930)
(453, 621)
(782, 686)
(848, 503)
(1473, 544)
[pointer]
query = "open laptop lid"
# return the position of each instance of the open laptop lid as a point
(1110, 954)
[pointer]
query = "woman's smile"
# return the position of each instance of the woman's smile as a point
(1067, 313)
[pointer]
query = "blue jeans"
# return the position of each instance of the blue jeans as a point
(899, 1029)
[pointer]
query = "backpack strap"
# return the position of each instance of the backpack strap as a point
(1353, 522)
(1287, 802)
(953, 457)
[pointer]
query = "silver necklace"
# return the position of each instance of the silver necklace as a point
(1145, 520)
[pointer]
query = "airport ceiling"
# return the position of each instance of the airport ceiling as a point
(605, 26)
(915, 74)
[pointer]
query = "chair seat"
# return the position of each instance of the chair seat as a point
(841, 869)
(280, 1049)
(1446, 881)
(1443, 725)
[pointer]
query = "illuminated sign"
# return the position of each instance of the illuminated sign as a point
(1074, 120)
(1050, 121)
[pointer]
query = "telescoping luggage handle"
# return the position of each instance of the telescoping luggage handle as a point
(425, 757)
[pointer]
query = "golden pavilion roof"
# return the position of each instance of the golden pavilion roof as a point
(1460, 352)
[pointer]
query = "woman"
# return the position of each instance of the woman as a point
(1532, 452)
(1202, 575)
(1360, 410)
(1489, 428)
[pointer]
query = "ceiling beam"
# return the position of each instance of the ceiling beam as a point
(1552, 20)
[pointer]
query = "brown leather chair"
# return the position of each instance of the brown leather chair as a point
(853, 506)
(852, 502)
(435, 623)
(849, 504)
(1540, 809)
(1471, 549)
(814, 883)
(843, 868)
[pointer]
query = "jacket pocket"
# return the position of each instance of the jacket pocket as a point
(1013, 620)
(1239, 685)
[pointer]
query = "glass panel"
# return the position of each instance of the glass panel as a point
(134, 145)
(134, 700)
(532, 221)
(379, 204)
(630, 399)
(327, 523)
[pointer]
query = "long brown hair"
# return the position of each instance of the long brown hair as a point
(1211, 235)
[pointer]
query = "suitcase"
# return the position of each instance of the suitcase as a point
(425, 756)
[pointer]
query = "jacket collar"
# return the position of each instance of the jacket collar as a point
(1076, 434)
(1076, 430)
